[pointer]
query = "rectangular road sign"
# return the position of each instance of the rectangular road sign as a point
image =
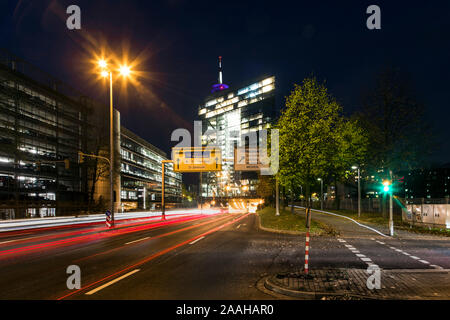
(248, 159)
(197, 159)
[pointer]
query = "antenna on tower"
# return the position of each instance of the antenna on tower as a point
(219, 86)
(220, 69)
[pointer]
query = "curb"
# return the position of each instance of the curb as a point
(269, 285)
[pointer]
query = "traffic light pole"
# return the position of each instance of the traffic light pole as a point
(391, 211)
(359, 193)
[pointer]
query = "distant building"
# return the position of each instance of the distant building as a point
(141, 175)
(234, 111)
(427, 183)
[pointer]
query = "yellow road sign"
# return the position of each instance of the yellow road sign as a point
(197, 159)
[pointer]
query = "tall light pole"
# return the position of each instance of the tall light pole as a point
(359, 190)
(105, 72)
(321, 193)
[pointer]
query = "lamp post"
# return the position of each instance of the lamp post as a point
(359, 190)
(105, 72)
(321, 193)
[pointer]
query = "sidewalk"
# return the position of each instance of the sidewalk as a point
(350, 284)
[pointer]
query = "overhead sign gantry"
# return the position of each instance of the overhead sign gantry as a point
(197, 159)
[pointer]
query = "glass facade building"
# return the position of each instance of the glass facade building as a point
(141, 176)
(232, 114)
(42, 123)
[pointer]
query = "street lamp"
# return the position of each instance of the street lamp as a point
(359, 190)
(321, 193)
(105, 71)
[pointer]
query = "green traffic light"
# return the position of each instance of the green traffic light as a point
(386, 186)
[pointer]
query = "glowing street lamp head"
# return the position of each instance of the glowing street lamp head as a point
(124, 70)
(102, 63)
(104, 73)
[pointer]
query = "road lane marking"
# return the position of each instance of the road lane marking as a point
(361, 256)
(195, 225)
(196, 240)
(138, 240)
(238, 226)
(101, 235)
(112, 282)
(411, 256)
(21, 239)
(7, 241)
(153, 256)
(436, 267)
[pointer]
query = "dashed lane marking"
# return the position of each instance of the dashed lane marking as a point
(411, 256)
(436, 267)
(361, 256)
(196, 240)
(112, 282)
(142, 239)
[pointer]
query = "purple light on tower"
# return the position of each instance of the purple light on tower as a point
(219, 86)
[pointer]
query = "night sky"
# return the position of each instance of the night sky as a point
(177, 43)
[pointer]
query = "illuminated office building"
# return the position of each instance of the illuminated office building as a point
(141, 176)
(232, 113)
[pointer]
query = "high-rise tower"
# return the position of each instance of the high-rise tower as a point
(233, 113)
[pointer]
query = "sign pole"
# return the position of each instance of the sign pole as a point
(163, 202)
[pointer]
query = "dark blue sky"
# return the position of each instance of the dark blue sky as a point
(182, 39)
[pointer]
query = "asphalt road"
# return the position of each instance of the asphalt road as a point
(222, 256)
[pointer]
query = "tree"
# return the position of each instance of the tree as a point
(265, 188)
(316, 141)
